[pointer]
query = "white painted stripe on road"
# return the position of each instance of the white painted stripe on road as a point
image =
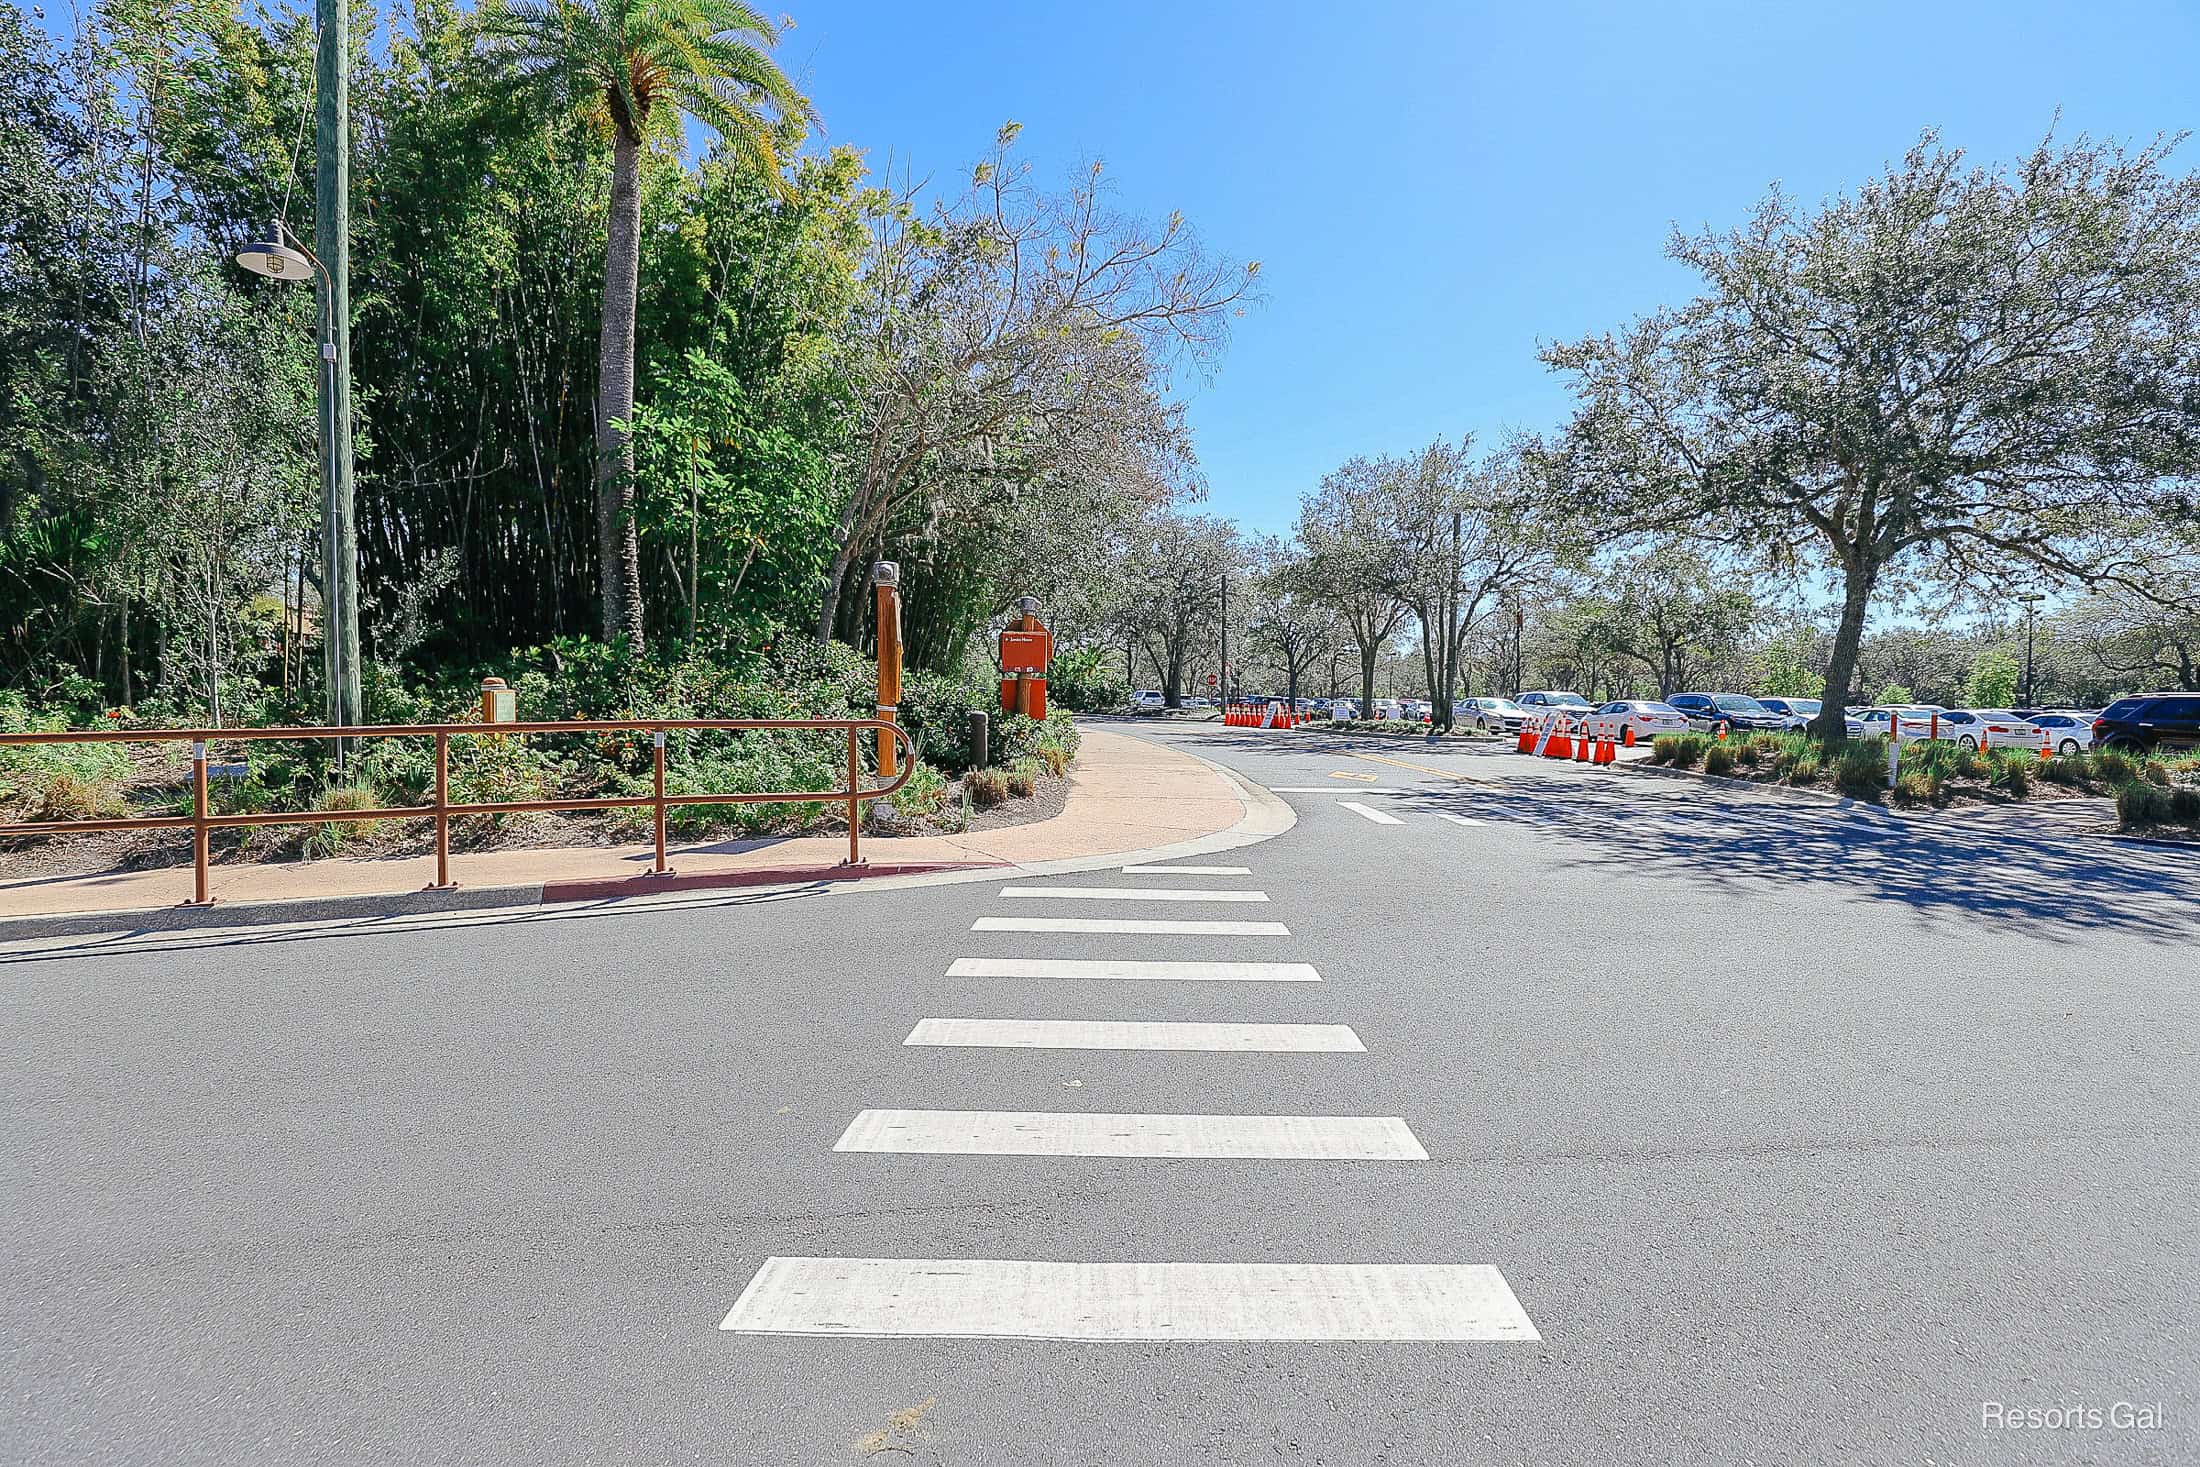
(1109, 970)
(1378, 816)
(1150, 926)
(1086, 1133)
(1457, 819)
(1187, 870)
(985, 1298)
(1331, 789)
(1134, 894)
(1129, 1034)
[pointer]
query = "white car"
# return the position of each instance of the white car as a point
(1490, 715)
(1988, 728)
(1644, 717)
(1916, 722)
(1147, 698)
(2072, 730)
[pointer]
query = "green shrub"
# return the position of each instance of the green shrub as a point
(327, 839)
(986, 787)
(1682, 751)
(1860, 769)
(2184, 803)
(2139, 803)
(1971, 764)
(1920, 785)
(2068, 770)
(1719, 759)
(923, 796)
(2113, 767)
(1023, 778)
(2012, 772)
(1746, 755)
(1805, 769)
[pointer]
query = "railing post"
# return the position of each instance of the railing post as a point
(659, 786)
(855, 783)
(443, 880)
(201, 894)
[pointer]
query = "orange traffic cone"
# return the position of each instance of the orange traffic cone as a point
(1581, 746)
(2047, 746)
(1607, 751)
(1527, 737)
(1627, 735)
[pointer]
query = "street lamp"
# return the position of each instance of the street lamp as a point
(282, 257)
(2031, 689)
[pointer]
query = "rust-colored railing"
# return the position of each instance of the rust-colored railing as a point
(202, 819)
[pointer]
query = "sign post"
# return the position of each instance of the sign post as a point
(886, 578)
(1026, 649)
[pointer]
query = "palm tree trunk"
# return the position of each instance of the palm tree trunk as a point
(618, 544)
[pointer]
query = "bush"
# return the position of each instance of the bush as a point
(1719, 759)
(2139, 803)
(2068, 770)
(1920, 785)
(1805, 769)
(2184, 803)
(333, 836)
(1860, 769)
(1682, 751)
(923, 796)
(2012, 772)
(2113, 767)
(1023, 778)
(986, 788)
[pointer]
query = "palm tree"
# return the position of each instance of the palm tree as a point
(638, 67)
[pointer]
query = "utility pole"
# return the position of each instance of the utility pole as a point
(332, 242)
(1225, 638)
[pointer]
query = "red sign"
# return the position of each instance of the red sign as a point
(1025, 651)
(1211, 679)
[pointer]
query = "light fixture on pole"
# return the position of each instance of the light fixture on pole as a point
(2031, 688)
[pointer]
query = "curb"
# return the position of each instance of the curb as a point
(431, 902)
(1778, 791)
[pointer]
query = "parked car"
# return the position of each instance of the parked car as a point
(1490, 715)
(1645, 717)
(1343, 708)
(2072, 730)
(1800, 711)
(1147, 698)
(1706, 711)
(1545, 700)
(2150, 723)
(1986, 728)
(1916, 721)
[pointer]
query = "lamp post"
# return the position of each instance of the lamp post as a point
(281, 257)
(2031, 689)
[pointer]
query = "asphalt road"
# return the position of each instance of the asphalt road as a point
(1798, 1134)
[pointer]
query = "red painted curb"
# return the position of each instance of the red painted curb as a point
(601, 888)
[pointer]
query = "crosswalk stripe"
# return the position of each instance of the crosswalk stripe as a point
(1134, 894)
(1109, 970)
(1187, 870)
(1102, 1302)
(1130, 1034)
(1149, 926)
(1086, 1133)
(1378, 816)
(1457, 819)
(1331, 789)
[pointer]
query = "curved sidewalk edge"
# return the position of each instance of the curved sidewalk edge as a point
(1130, 801)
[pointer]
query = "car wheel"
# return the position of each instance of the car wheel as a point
(1970, 745)
(2067, 747)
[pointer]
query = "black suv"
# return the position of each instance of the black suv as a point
(1706, 711)
(2149, 724)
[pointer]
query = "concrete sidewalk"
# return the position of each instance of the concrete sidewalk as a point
(1126, 795)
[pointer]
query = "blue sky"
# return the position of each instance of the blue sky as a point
(1432, 189)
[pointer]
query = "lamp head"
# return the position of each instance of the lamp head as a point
(275, 259)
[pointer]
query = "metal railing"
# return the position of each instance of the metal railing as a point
(203, 820)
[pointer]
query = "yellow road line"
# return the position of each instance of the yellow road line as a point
(1348, 774)
(1429, 769)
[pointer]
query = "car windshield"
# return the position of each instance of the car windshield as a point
(1733, 703)
(1802, 705)
(1660, 708)
(1570, 700)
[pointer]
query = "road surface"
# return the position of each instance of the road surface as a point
(1495, 1112)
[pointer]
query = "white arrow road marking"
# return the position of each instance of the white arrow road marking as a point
(1085, 1133)
(1150, 926)
(1457, 819)
(1126, 1034)
(1378, 816)
(1187, 870)
(1109, 970)
(1103, 1302)
(1330, 789)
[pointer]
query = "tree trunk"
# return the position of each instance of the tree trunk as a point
(1367, 682)
(618, 542)
(1831, 725)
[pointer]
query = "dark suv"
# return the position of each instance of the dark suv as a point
(1706, 711)
(2150, 723)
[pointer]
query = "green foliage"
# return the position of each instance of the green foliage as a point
(1023, 778)
(1085, 680)
(2139, 804)
(1860, 768)
(924, 796)
(1894, 693)
(1993, 680)
(2012, 772)
(986, 787)
(1719, 759)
